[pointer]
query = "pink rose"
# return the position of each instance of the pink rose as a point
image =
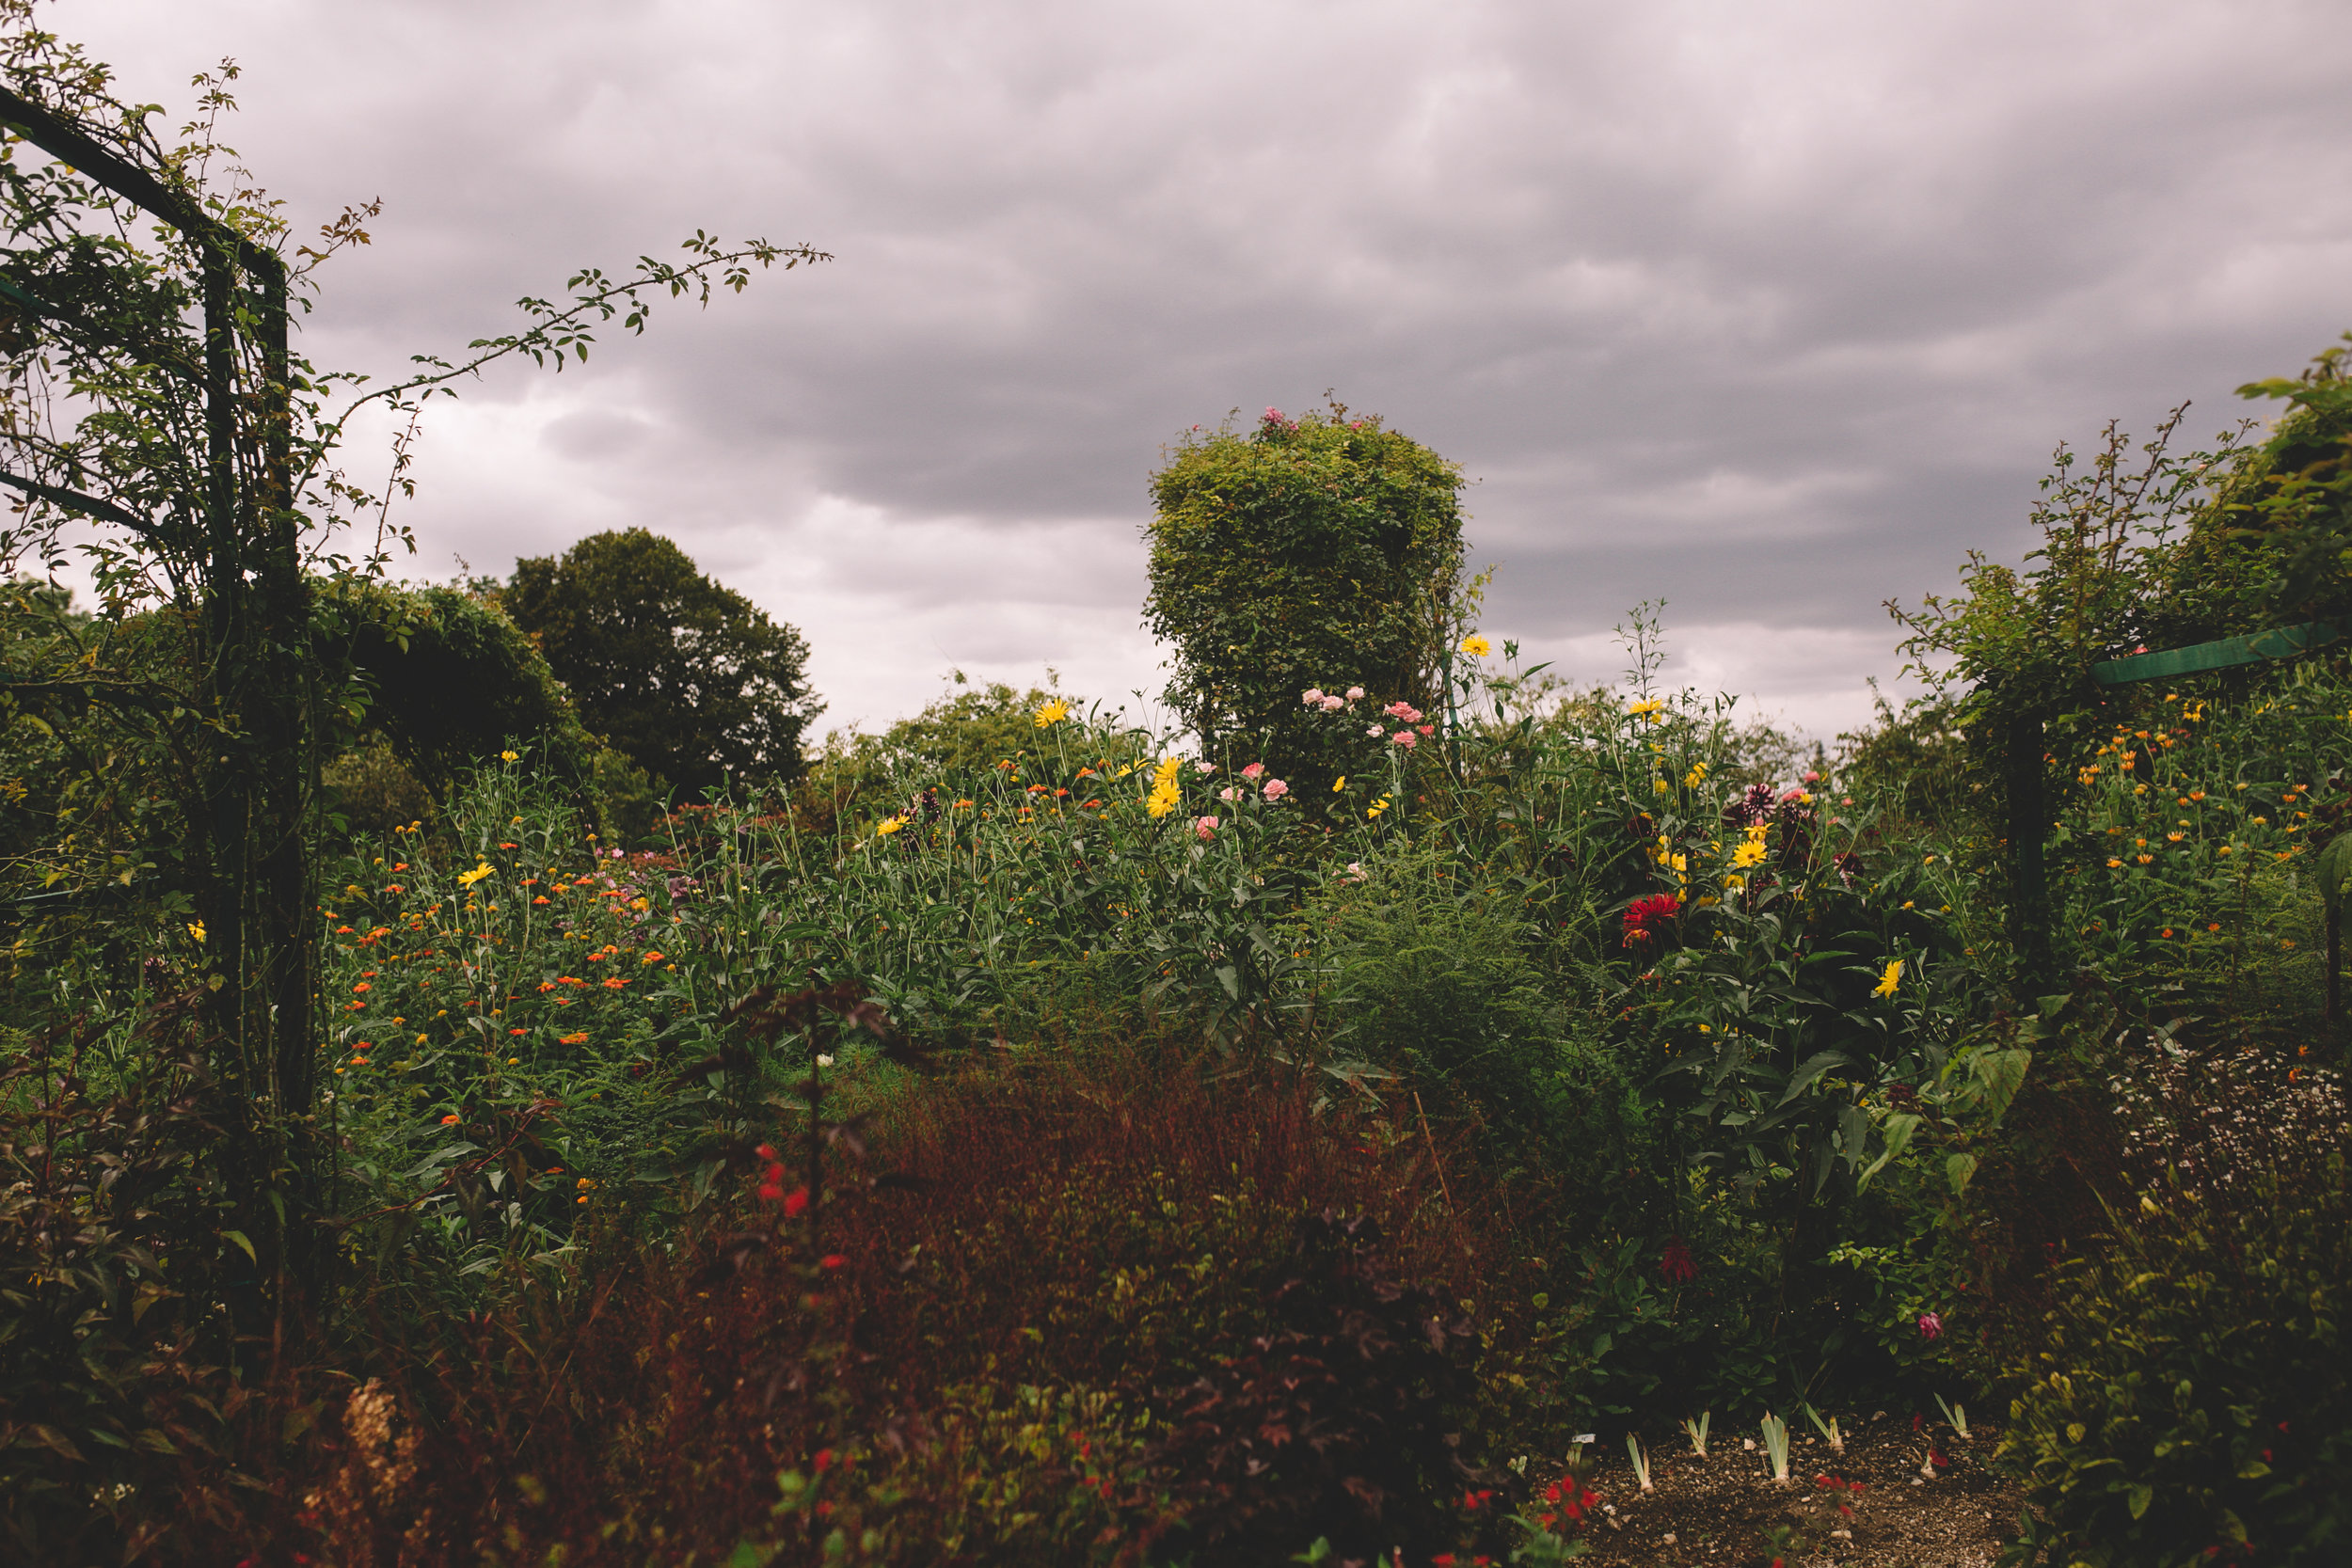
(1406, 738)
(1313, 695)
(1205, 826)
(1229, 793)
(1255, 770)
(1276, 790)
(1204, 767)
(1332, 705)
(1374, 731)
(1426, 729)
(1930, 1325)
(1405, 710)
(1355, 694)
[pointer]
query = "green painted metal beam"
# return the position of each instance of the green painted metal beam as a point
(2278, 643)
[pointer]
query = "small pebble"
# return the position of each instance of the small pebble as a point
(1670, 1538)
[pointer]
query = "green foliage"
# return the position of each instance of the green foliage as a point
(2121, 561)
(961, 735)
(2296, 501)
(116, 1407)
(1318, 551)
(2191, 1403)
(689, 678)
(1438, 979)
(156, 429)
(448, 679)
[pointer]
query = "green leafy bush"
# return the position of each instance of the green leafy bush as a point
(2193, 1400)
(1440, 980)
(1318, 551)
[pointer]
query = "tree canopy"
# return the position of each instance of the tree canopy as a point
(690, 679)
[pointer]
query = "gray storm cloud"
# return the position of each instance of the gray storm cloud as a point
(1772, 313)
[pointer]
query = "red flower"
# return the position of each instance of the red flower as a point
(1677, 1264)
(1647, 916)
(823, 1461)
(833, 1260)
(797, 1203)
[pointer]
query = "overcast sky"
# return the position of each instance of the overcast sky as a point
(1771, 311)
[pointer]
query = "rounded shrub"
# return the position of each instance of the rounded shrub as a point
(1321, 551)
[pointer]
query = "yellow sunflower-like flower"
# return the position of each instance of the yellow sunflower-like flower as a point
(1892, 978)
(1165, 789)
(1051, 714)
(467, 879)
(1476, 646)
(1751, 848)
(1646, 709)
(889, 825)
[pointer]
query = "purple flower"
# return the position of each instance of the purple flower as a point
(1930, 1326)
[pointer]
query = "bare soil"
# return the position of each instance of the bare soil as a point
(1723, 1511)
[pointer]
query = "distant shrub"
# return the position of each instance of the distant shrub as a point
(1320, 551)
(375, 791)
(2192, 1403)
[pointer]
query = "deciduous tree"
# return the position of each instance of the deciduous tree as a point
(689, 677)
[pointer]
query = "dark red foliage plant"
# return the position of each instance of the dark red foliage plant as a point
(1105, 1310)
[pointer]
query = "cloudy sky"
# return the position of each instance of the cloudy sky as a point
(1770, 311)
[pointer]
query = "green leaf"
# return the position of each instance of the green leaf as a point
(2137, 1497)
(2001, 1072)
(1958, 1169)
(239, 1237)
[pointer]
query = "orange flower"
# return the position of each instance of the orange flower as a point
(581, 1038)
(448, 1121)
